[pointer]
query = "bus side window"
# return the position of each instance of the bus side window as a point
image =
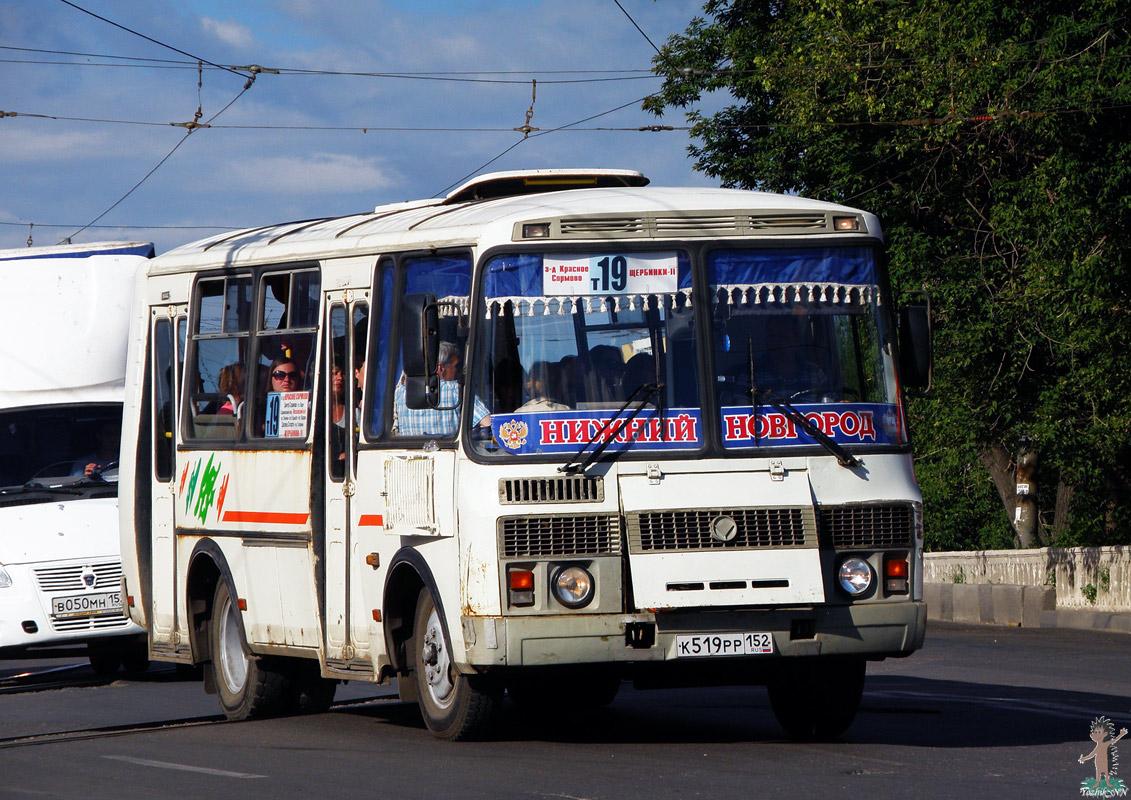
(217, 376)
(163, 441)
(283, 378)
(376, 371)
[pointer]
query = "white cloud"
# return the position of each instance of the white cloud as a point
(230, 33)
(310, 174)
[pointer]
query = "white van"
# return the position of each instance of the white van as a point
(64, 319)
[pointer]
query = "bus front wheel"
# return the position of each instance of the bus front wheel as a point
(818, 698)
(246, 684)
(454, 706)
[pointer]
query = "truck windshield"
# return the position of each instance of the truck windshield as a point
(59, 441)
(567, 339)
(806, 325)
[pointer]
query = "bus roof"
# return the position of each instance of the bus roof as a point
(619, 206)
(64, 321)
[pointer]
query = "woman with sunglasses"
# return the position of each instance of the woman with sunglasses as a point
(284, 376)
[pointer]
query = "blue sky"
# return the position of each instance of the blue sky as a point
(60, 174)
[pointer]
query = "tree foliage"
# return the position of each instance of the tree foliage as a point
(992, 139)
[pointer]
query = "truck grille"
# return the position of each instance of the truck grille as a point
(559, 535)
(869, 526)
(108, 577)
(89, 623)
(692, 529)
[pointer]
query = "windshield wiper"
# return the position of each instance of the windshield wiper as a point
(32, 486)
(649, 390)
(843, 457)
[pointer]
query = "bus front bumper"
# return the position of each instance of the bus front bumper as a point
(875, 630)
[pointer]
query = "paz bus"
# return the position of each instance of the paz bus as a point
(60, 421)
(553, 432)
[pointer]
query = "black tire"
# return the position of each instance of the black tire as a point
(310, 693)
(817, 698)
(454, 706)
(135, 656)
(558, 691)
(105, 661)
(247, 685)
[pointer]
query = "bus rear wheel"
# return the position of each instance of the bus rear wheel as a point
(816, 699)
(454, 706)
(247, 685)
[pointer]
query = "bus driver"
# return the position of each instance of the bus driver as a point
(441, 421)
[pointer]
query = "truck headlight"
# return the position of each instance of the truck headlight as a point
(572, 586)
(5, 578)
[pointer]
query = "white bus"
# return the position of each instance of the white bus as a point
(552, 432)
(64, 321)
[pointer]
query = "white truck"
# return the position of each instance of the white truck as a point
(64, 319)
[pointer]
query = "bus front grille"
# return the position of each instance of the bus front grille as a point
(559, 535)
(558, 489)
(700, 529)
(869, 526)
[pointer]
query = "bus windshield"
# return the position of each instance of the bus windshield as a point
(568, 339)
(569, 345)
(804, 328)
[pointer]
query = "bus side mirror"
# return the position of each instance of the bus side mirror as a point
(915, 348)
(420, 340)
(420, 350)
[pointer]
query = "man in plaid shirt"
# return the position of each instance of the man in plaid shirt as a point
(441, 421)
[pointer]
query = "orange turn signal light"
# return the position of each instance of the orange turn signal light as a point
(522, 580)
(895, 567)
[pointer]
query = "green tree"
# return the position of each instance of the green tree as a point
(993, 141)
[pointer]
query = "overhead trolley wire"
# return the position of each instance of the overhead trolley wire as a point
(150, 38)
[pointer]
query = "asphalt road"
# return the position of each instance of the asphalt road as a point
(979, 712)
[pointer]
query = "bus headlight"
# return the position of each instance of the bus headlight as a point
(5, 578)
(855, 576)
(572, 586)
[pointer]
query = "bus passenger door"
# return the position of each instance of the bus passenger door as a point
(166, 323)
(346, 645)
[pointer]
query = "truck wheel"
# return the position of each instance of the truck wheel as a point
(454, 706)
(135, 655)
(247, 685)
(104, 660)
(817, 698)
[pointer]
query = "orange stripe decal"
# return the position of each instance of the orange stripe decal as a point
(269, 517)
(375, 520)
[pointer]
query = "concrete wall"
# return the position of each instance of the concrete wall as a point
(1085, 578)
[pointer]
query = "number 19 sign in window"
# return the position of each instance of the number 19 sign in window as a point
(286, 415)
(630, 273)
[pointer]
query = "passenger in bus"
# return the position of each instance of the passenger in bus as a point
(441, 421)
(337, 395)
(284, 376)
(231, 383)
(640, 370)
(543, 388)
(606, 366)
(106, 453)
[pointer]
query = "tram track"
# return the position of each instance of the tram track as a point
(42, 679)
(109, 731)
